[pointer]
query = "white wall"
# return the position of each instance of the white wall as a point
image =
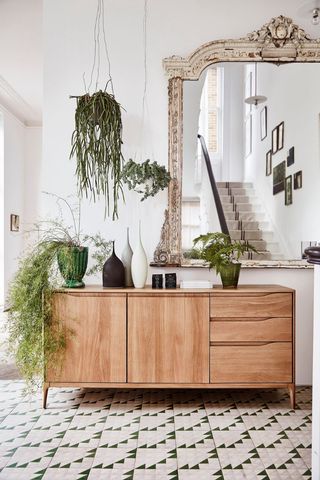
(20, 173)
(293, 97)
(233, 151)
(14, 144)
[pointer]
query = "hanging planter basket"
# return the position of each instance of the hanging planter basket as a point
(96, 145)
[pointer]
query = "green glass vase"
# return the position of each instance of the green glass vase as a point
(230, 275)
(73, 262)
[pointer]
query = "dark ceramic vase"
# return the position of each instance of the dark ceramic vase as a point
(72, 262)
(113, 272)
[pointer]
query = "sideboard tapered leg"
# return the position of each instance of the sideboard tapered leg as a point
(45, 394)
(292, 393)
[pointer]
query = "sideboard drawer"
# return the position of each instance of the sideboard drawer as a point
(265, 305)
(268, 362)
(251, 330)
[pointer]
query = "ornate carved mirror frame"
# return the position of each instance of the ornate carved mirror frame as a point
(280, 41)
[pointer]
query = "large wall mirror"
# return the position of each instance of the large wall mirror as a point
(255, 102)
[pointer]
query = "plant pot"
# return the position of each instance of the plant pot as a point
(72, 262)
(230, 275)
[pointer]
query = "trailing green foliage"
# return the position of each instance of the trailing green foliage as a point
(31, 328)
(96, 144)
(145, 178)
(35, 338)
(218, 250)
(102, 251)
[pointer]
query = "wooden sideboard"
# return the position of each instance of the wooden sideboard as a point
(135, 338)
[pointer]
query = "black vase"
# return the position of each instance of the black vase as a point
(113, 272)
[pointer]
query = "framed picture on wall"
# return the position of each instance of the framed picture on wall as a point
(279, 175)
(14, 223)
(297, 180)
(268, 163)
(288, 190)
(274, 148)
(263, 123)
(280, 135)
(290, 157)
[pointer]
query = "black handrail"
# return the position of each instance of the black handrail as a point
(216, 196)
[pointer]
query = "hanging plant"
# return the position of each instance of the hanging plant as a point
(96, 144)
(97, 137)
(145, 178)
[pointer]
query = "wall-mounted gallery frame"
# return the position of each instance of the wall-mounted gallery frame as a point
(280, 129)
(297, 180)
(277, 138)
(263, 123)
(274, 140)
(14, 222)
(288, 190)
(268, 163)
(279, 175)
(290, 157)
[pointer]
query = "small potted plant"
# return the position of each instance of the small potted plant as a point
(223, 255)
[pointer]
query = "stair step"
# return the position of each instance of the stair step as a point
(241, 191)
(246, 235)
(234, 184)
(246, 225)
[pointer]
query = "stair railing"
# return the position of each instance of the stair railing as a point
(214, 188)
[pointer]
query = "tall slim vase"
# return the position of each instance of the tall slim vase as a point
(139, 264)
(126, 258)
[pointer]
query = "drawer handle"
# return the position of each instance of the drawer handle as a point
(243, 344)
(243, 319)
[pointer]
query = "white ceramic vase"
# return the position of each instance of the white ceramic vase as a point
(126, 258)
(139, 264)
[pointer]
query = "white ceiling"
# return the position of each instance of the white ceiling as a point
(21, 63)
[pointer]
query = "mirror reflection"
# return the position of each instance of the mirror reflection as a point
(260, 125)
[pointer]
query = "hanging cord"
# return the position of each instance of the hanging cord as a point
(99, 25)
(106, 50)
(144, 96)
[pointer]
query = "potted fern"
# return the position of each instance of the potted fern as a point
(223, 255)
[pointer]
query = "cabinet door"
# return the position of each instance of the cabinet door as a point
(96, 350)
(168, 339)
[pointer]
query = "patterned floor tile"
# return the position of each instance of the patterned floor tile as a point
(232, 439)
(158, 460)
(162, 438)
(198, 459)
(114, 458)
(226, 422)
(154, 434)
(261, 422)
(120, 439)
(200, 475)
(194, 439)
(68, 457)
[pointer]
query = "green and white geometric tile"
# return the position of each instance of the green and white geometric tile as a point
(226, 423)
(196, 459)
(232, 439)
(162, 438)
(154, 434)
(119, 439)
(194, 439)
(114, 459)
(68, 457)
(261, 422)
